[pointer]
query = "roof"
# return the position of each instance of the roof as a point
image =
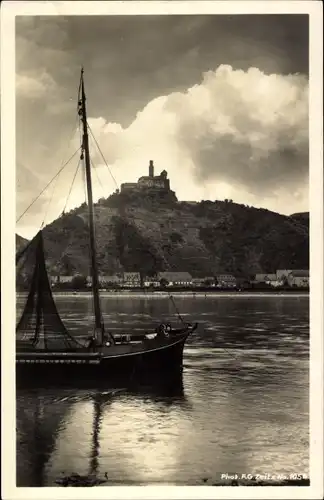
(263, 276)
(109, 278)
(131, 275)
(226, 275)
(65, 278)
(198, 274)
(175, 276)
(128, 184)
(303, 273)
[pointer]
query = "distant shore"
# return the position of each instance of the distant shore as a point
(180, 293)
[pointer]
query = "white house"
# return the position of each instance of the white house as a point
(283, 273)
(294, 277)
(299, 278)
(271, 279)
(198, 281)
(268, 278)
(265, 277)
(61, 279)
(151, 281)
(131, 279)
(225, 280)
(108, 280)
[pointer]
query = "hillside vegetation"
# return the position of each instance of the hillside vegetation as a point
(159, 233)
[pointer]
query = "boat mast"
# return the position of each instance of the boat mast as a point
(99, 326)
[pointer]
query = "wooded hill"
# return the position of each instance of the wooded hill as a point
(157, 233)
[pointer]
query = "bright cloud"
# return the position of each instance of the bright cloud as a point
(34, 86)
(234, 132)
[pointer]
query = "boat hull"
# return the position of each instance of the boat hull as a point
(124, 364)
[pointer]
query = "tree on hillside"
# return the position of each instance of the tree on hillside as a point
(67, 265)
(176, 237)
(134, 250)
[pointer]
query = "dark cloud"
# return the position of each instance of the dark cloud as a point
(139, 58)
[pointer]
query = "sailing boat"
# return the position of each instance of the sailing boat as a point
(44, 347)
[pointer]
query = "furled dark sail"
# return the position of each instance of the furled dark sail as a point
(40, 326)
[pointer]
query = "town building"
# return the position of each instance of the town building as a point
(225, 280)
(60, 279)
(268, 278)
(294, 277)
(131, 279)
(151, 282)
(290, 277)
(198, 282)
(110, 280)
(175, 278)
(206, 281)
(282, 274)
(298, 278)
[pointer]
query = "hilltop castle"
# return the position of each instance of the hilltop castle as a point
(150, 181)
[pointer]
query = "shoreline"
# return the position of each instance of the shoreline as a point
(175, 293)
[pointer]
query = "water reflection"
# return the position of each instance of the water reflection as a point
(242, 406)
(39, 419)
(51, 425)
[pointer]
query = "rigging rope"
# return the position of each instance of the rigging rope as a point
(56, 179)
(177, 311)
(98, 178)
(77, 118)
(49, 202)
(71, 187)
(95, 170)
(48, 184)
(233, 355)
(104, 159)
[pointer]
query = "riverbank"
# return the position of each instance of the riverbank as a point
(185, 293)
(188, 289)
(176, 293)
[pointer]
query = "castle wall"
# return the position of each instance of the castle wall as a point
(150, 181)
(127, 186)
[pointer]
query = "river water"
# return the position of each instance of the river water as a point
(243, 407)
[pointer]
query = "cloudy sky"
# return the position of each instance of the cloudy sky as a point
(220, 102)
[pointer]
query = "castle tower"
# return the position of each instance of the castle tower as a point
(151, 169)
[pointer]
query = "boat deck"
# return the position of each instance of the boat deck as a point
(123, 348)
